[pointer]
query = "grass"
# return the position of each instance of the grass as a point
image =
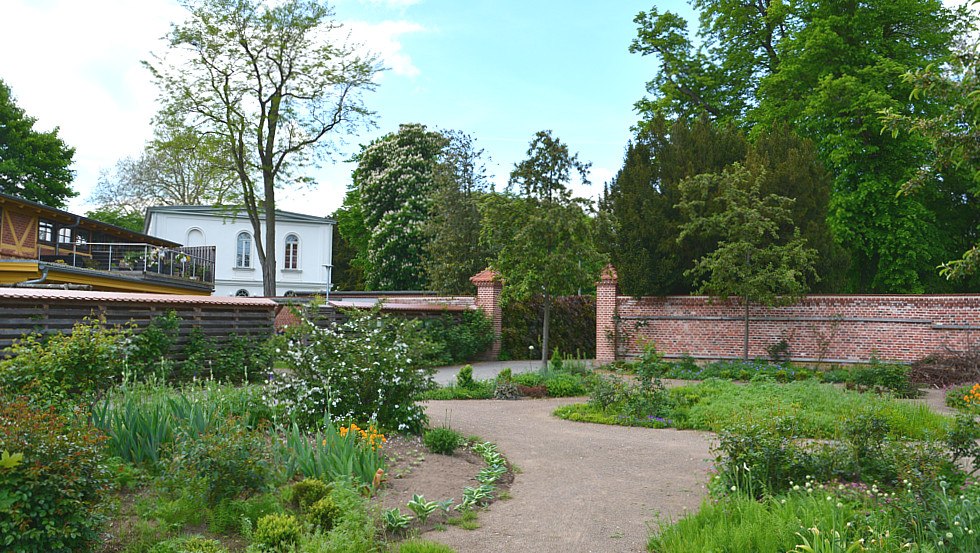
(467, 520)
(819, 409)
(777, 525)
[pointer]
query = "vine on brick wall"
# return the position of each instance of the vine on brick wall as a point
(573, 327)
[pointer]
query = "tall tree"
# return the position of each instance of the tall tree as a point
(760, 256)
(542, 237)
(827, 67)
(33, 164)
(273, 84)
(178, 166)
(453, 249)
(394, 179)
(127, 220)
(639, 209)
(954, 137)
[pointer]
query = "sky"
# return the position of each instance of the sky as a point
(499, 70)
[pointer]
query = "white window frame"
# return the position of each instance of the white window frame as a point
(243, 255)
(295, 258)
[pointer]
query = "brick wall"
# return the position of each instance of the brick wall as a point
(488, 289)
(826, 328)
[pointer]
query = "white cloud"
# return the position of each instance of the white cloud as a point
(75, 65)
(383, 39)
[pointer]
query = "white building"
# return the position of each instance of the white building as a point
(304, 248)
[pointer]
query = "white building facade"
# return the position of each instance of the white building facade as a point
(304, 247)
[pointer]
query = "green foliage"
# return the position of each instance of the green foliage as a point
(53, 481)
(394, 178)
(828, 71)
(141, 420)
(354, 532)
(90, 359)
(457, 339)
(452, 248)
(323, 513)
(154, 344)
(132, 221)
(564, 385)
(572, 327)
(277, 532)
(422, 508)
(443, 441)
(229, 515)
(229, 459)
(889, 377)
(327, 455)
(481, 389)
(760, 255)
(33, 165)
(367, 368)
(464, 378)
(541, 238)
(189, 545)
(308, 491)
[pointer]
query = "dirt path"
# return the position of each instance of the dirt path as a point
(582, 487)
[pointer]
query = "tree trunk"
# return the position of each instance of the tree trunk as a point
(545, 328)
(269, 263)
(745, 354)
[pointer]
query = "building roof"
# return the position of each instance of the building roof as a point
(85, 222)
(232, 212)
(47, 294)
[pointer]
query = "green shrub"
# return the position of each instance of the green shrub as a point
(229, 515)
(464, 378)
(229, 459)
(564, 385)
(443, 441)
(880, 376)
(528, 379)
(91, 358)
(506, 389)
(277, 532)
(53, 481)
(324, 513)
(423, 546)
(367, 368)
(481, 389)
(355, 532)
(606, 391)
(154, 344)
(308, 491)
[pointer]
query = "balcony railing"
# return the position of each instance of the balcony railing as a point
(187, 262)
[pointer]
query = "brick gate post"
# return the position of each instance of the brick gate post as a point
(488, 288)
(605, 315)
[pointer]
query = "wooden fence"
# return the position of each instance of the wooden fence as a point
(24, 311)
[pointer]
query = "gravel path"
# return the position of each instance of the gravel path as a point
(582, 487)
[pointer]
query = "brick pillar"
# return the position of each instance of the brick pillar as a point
(488, 288)
(605, 316)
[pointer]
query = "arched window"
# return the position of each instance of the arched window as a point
(242, 293)
(243, 255)
(292, 252)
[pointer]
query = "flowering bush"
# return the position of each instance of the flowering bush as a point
(365, 369)
(53, 481)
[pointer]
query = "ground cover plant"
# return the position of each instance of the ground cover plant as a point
(564, 376)
(875, 376)
(713, 404)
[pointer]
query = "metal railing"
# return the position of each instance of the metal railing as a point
(187, 262)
